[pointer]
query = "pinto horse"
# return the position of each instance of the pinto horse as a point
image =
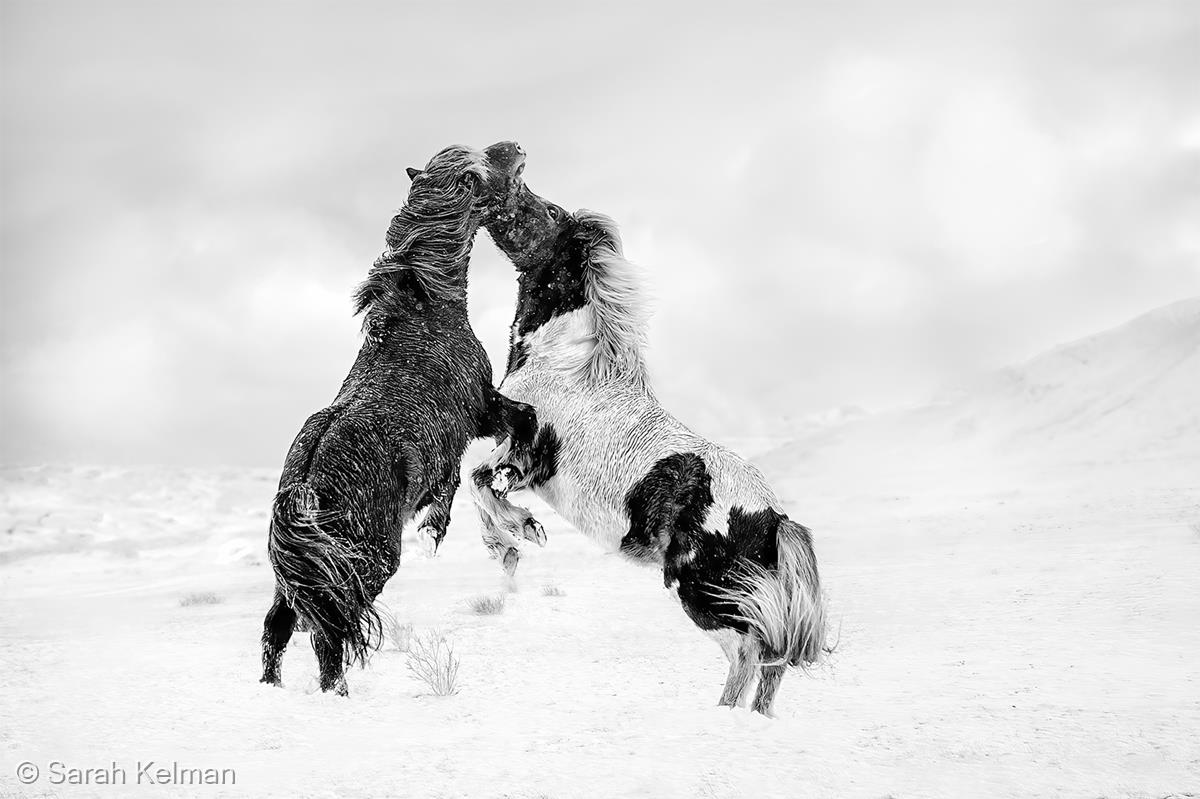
(391, 444)
(626, 473)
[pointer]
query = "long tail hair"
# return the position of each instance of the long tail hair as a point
(319, 574)
(784, 607)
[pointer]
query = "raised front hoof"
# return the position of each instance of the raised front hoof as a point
(532, 530)
(504, 477)
(428, 540)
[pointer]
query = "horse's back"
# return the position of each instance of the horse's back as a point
(400, 424)
(737, 484)
(356, 467)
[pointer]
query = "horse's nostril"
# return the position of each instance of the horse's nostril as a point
(507, 156)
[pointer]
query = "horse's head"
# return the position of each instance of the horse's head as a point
(476, 183)
(572, 267)
(506, 162)
(430, 238)
(531, 229)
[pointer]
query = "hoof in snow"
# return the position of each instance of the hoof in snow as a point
(337, 688)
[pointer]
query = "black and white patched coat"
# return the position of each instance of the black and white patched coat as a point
(576, 356)
(626, 473)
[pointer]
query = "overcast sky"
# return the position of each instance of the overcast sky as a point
(847, 203)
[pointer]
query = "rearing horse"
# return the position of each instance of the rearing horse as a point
(626, 473)
(392, 441)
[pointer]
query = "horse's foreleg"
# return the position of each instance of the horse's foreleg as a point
(508, 468)
(437, 520)
(503, 523)
(490, 488)
(509, 419)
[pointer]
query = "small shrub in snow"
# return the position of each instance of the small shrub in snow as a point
(552, 590)
(199, 598)
(431, 660)
(487, 604)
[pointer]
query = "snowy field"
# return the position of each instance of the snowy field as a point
(1012, 642)
(1013, 619)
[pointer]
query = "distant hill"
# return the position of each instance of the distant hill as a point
(1127, 394)
(1130, 391)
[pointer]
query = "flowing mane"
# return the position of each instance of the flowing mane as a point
(613, 288)
(430, 238)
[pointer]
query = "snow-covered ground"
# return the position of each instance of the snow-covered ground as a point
(1014, 619)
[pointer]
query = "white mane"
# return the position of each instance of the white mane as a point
(614, 291)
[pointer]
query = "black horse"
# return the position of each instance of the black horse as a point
(392, 442)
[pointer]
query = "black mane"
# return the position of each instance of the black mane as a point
(428, 241)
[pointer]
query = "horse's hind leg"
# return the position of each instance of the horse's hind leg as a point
(330, 662)
(277, 631)
(768, 685)
(743, 660)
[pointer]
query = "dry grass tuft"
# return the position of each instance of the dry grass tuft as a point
(199, 598)
(487, 604)
(549, 589)
(431, 660)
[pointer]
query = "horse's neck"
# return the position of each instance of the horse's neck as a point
(565, 343)
(410, 306)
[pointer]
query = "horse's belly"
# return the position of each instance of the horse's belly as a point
(596, 519)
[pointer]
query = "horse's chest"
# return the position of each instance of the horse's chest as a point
(587, 487)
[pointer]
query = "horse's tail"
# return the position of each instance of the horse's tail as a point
(319, 574)
(784, 607)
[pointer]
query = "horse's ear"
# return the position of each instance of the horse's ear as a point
(412, 172)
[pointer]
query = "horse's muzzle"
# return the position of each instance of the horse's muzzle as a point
(507, 157)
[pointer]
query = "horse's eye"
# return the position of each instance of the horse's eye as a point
(554, 212)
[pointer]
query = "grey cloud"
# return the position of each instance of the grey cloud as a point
(190, 196)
